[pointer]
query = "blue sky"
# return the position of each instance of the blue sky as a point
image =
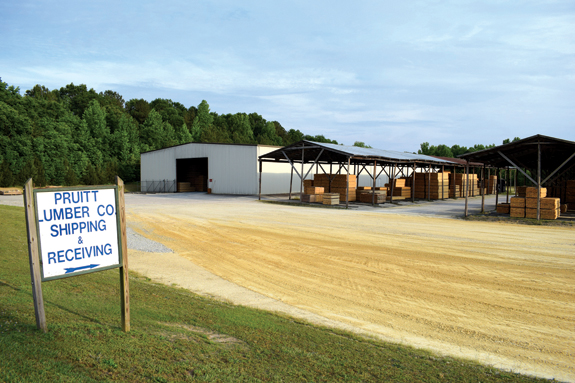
(391, 74)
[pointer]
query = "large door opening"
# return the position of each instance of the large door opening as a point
(192, 174)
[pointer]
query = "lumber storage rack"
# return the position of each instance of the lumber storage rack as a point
(335, 160)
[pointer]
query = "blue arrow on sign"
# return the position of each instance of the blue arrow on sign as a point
(73, 269)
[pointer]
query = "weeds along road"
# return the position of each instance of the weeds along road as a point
(498, 293)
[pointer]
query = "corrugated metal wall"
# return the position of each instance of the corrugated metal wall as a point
(232, 168)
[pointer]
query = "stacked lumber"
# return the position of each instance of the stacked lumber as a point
(312, 193)
(454, 191)
(184, 187)
(517, 209)
(431, 185)
(503, 208)
(372, 196)
(460, 179)
(491, 185)
(550, 208)
(338, 184)
(401, 192)
(312, 198)
(199, 182)
(521, 191)
(313, 190)
(360, 188)
(11, 192)
(330, 198)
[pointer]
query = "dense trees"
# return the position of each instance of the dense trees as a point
(455, 150)
(76, 135)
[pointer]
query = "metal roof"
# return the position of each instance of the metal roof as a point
(523, 153)
(325, 152)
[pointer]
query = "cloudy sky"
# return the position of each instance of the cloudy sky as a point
(389, 73)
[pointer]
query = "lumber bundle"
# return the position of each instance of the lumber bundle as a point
(531, 192)
(491, 185)
(503, 208)
(313, 190)
(184, 187)
(401, 192)
(454, 191)
(359, 188)
(330, 199)
(11, 192)
(318, 198)
(460, 179)
(307, 183)
(521, 191)
(375, 196)
(549, 208)
(338, 184)
(434, 185)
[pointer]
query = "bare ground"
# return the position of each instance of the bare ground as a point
(500, 294)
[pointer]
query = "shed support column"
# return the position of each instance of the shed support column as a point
(347, 183)
(507, 183)
(428, 182)
(515, 181)
(260, 183)
(538, 181)
(497, 188)
(392, 183)
(373, 188)
(442, 182)
(483, 189)
(413, 184)
(466, 186)
(290, 181)
(301, 177)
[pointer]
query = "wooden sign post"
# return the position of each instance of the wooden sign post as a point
(75, 231)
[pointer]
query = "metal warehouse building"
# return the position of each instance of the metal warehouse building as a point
(224, 168)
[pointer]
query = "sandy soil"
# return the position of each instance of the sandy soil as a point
(500, 294)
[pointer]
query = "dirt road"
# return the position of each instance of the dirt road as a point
(498, 293)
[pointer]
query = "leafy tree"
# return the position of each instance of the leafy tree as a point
(6, 175)
(320, 138)
(294, 136)
(361, 144)
(183, 135)
(151, 132)
(77, 97)
(268, 135)
(138, 109)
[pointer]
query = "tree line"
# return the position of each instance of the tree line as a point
(455, 150)
(75, 135)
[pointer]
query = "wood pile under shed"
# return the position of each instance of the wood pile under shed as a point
(430, 185)
(525, 205)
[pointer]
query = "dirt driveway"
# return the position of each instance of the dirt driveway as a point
(498, 293)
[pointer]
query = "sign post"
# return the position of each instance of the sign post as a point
(75, 231)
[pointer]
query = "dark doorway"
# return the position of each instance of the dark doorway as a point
(192, 174)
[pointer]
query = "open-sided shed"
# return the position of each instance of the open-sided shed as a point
(350, 160)
(545, 161)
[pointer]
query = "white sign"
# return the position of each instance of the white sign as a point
(77, 230)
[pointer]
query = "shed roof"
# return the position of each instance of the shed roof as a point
(324, 152)
(523, 153)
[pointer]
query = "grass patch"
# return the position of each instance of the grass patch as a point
(178, 336)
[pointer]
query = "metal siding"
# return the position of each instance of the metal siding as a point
(233, 168)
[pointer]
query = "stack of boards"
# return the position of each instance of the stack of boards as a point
(460, 179)
(432, 185)
(401, 190)
(314, 193)
(185, 187)
(369, 195)
(338, 184)
(11, 192)
(525, 205)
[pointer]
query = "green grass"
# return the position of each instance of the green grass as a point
(179, 337)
